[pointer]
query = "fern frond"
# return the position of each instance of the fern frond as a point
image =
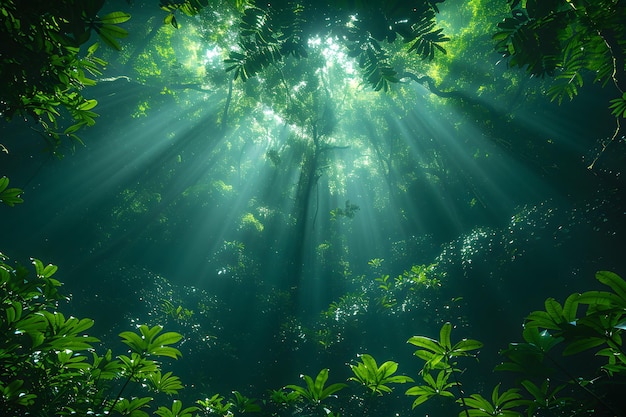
(569, 79)
(618, 106)
(377, 71)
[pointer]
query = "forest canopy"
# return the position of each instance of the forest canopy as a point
(44, 69)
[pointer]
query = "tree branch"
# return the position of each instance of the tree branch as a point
(429, 83)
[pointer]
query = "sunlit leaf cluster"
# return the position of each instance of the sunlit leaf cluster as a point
(267, 34)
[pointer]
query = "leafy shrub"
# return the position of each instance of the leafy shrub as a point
(49, 366)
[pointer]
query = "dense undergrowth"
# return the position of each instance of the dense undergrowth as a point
(571, 362)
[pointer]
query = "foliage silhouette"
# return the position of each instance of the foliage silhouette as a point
(42, 68)
(567, 40)
(49, 365)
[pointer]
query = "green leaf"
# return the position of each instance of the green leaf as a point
(444, 335)
(134, 341)
(166, 351)
(423, 394)
(14, 311)
(11, 196)
(109, 34)
(432, 388)
(570, 308)
(170, 19)
(467, 345)
(73, 128)
(114, 31)
(176, 410)
(582, 345)
(427, 343)
(49, 270)
(601, 299)
(533, 390)
(320, 380)
(612, 279)
(87, 105)
(554, 309)
(114, 18)
(132, 408)
(38, 267)
(4, 183)
(167, 338)
(92, 49)
(376, 378)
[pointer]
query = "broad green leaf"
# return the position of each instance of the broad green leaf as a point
(14, 312)
(176, 410)
(582, 345)
(331, 389)
(320, 381)
(613, 280)
(132, 408)
(134, 341)
(49, 270)
(427, 343)
(114, 31)
(73, 128)
(315, 391)
(166, 351)
(87, 105)
(543, 340)
(399, 379)
(423, 394)
(150, 333)
(541, 319)
(11, 196)
(167, 338)
(444, 336)
(478, 402)
(508, 399)
(554, 310)
(436, 362)
(75, 326)
(369, 362)
(38, 267)
(167, 383)
(534, 390)
(114, 18)
(387, 369)
(109, 34)
(467, 345)
(93, 48)
(601, 299)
